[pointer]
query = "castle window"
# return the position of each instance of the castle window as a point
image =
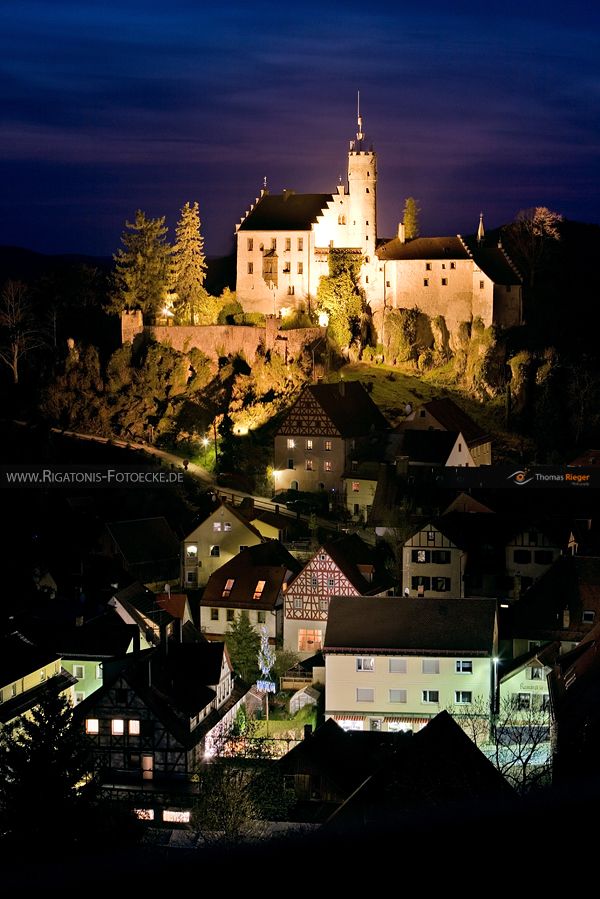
(453, 265)
(387, 284)
(300, 243)
(291, 290)
(288, 243)
(287, 268)
(428, 266)
(367, 259)
(309, 464)
(300, 268)
(273, 243)
(366, 279)
(366, 190)
(250, 268)
(444, 282)
(481, 285)
(366, 223)
(443, 265)
(425, 282)
(250, 244)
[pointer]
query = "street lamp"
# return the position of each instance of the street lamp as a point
(205, 443)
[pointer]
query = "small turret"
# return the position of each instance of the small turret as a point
(481, 229)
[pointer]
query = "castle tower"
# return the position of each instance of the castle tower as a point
(362, 189)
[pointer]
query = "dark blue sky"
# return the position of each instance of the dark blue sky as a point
(107, 107)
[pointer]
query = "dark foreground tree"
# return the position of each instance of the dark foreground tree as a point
(19, 333)
(243, 644)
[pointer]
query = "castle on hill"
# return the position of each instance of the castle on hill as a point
(283, 244)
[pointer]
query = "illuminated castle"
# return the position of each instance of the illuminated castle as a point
(283, 243)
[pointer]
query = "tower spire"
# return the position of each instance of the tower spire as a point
(359, 132)
(481, 229)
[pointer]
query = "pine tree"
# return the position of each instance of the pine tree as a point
(188, 271)
(142, 267)
(243, 644)
(411, 218)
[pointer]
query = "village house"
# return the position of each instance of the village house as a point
(221, 536)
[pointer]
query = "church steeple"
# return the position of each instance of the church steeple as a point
(481, 229)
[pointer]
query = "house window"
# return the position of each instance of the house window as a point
(431, 536)
(300, 243)
(460, 447)
(134, 727)
(214, 614)
(464, 666)
(397, 666)
(217, 526)
(453, 265)
(365, 694)
(441, 584)
(440, 556)
(314, 580)
(309, 464)
(365, 663)
(420, 555)
(230, 615)
(300, 268)
(226, 525)
(191, 577)
(309, 444)
(328, 446)
(387, 284)
(444, 282)
(98, 672)
(397, 695)
(288, 243)
(330, 582)
(443, 265)
(463, 697)
(588, 616)
(291, 443)
(310, 640)
(431, 666)
(174, 817)
(290, 464)
(92, 726)
(421, 583)
(522, 556)
(481, 285)
(228, 587)
(250, 244)
(250, 268)
(79, 697)
(273, 243)
(428, 266)
(13, 690)
(536, 673)
(287, 268)
(258, 592)
(261, 617)
(323, 605)
(327, 466)
(523, 701)
(542, 556)
(431, 696)
(545, 703)
(215, 551)
(191, 551)
(78, 671)
(425, 282)
(117, 727)
(355, 486)
(297, 602)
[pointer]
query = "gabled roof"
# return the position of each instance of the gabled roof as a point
(231, 510)
(355, 559)
(424, 248)
(452, 418)
(492, 258)
(105, 636)
(285, 212)
(269, 562)
(465, 503)
(410, 626)
(346, 405)
(174, 603)
(144, 540)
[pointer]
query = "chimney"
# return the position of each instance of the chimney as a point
(401, 232)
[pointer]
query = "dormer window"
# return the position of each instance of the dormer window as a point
(228, 587)
(260, 586)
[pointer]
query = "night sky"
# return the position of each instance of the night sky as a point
(108, 107)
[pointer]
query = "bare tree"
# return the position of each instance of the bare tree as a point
(532, 231)
(19, 335)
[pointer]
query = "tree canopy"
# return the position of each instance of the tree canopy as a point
(188, 270)
(411, 218)
(142, 266)
(340, 296)
(243, 644)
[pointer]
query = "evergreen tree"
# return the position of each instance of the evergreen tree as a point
(411, 218)
(191, 305)
(243, 644)
(142, 267)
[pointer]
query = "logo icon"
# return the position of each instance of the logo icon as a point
(520, 477)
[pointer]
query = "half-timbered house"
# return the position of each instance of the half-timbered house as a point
(343, 567)
(154, 713)
(328, 426)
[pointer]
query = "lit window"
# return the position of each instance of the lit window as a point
(397, 666)
(431, 536)
(397, 695)
(327, 466)
(365, 694)
(78, 671)
(300, 268)
(215, 551)
(463, 697)
(134, 727)
(420, 555)
(92, 726)
(250, 244)
(328, 446)
(291, 443)
(227, 588)
(309, 444)
(174, 817)
(431, 696)
(464, 666)
(227, 526)
(230, 615)
(431, 666)
(43, 675)
(309, 464)
(300, 243)
(524, 701)
(117, 727)
(144, 814)
(217, 526)
(191, 550)
(260, 586)
(310, 640)
(536, 674)
(214, 614)
(355, 486)
(250, 268)
(365, 663)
